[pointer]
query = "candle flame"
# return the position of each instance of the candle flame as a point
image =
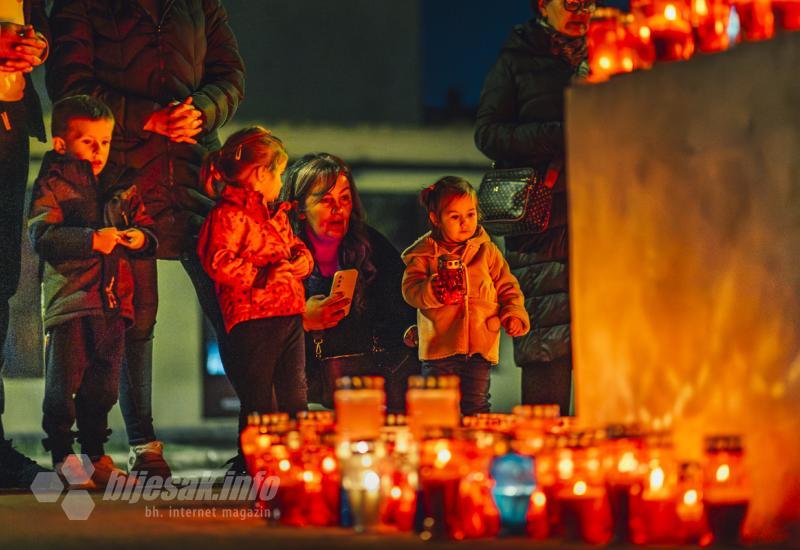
(371, 481)
(263, 441)
(604, 62)
(644, 33)
(362, 447)
(328, 464)
(723, 473)
(690, 497)
(539, 499)
(579, 488)
(670, 12)
(701, 7)
(657, 479)
(443, 456)
(308, 476)
(627, 64)
(284, 465)
(627, 463)
(396, 492)
(565, 468)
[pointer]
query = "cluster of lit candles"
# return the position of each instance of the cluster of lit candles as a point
(531, 473)
(671, 30)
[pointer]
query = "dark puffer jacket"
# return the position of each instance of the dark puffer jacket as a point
(114, 50)
(67, 205)
(520, 123)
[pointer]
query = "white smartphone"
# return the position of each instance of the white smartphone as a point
(344, 283)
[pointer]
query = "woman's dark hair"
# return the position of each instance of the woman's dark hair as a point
(311, 178)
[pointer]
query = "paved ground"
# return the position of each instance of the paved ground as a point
(27, 524)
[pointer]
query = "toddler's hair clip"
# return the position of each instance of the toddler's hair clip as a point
(238, 154)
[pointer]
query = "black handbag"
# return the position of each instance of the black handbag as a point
(517, 201)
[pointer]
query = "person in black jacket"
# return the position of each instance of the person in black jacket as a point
(171, 72)
(85, 236)
(23, 46)
(520, 122)
(368, 340)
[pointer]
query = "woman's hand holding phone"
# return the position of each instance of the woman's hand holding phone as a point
(323, 312)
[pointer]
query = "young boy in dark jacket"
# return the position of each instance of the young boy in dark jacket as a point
(84, 229)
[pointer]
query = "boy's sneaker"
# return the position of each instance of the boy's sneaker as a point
(75, 473)
(104, 469)
(148, 459)
(17, 471)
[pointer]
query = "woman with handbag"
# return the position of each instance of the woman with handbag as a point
(520, 124)
(369, 339)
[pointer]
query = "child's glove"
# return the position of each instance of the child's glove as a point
(514, 326)
(104, 240)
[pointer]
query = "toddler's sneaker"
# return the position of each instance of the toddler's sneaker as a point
(75, 472)
(148, 459)
(104, 469)
(17, 471)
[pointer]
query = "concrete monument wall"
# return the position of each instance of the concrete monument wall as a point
(685, 237)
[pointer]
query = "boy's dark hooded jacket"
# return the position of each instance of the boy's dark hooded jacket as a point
(68, 204)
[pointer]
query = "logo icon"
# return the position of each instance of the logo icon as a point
(77, 471)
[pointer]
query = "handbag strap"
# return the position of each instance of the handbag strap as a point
(553, 171)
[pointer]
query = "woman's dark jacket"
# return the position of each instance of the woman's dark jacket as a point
(520, 123)
(116, 51)
(384, 315)
(379, 323)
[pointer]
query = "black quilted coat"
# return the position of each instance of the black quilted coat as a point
(136, 63)
(520, 123)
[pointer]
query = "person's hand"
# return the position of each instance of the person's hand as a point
(280, 272)
(439, 289)
(21, 48)
(104, 240)
(179, 121)
(132, 238)
(514, 326)
(300, 266)
(324, 312)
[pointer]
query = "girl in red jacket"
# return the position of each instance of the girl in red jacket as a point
(248, 248)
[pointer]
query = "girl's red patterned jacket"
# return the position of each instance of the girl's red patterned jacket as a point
(239, 240)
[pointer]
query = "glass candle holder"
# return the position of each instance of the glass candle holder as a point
(606, 48)
(583, 499)
(360, 403)
(710, 19)
(451, 273)
(653, 501)
(726, 491)
(670, 27)
(533, 422)
(624, 466)
(442, 465)
(402, 456)
(692, 525)
(756, 18)
(433, 402)
(514, 484)
(363, 467)
(787, 14)
(479, 516)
